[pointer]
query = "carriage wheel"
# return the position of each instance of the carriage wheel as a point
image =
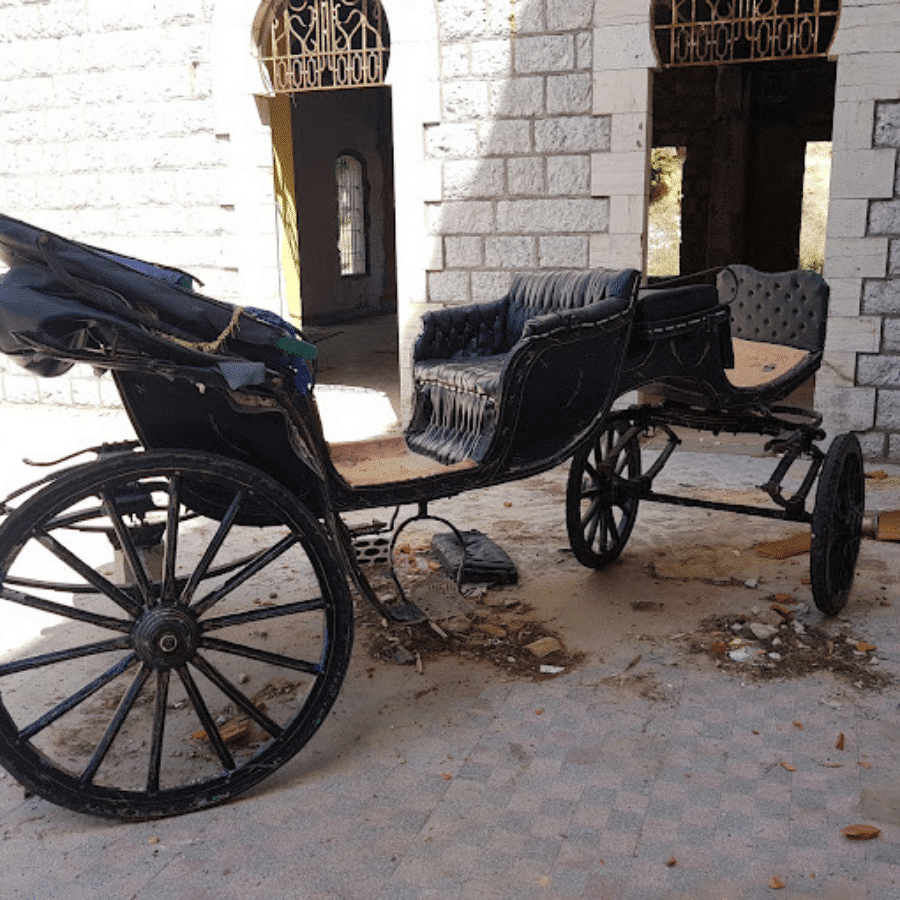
(837, 524)
(184, 673)
(600, 510)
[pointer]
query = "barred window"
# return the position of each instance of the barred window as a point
(351, 215)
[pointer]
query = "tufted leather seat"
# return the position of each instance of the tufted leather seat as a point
(464, 356)
(788, 308)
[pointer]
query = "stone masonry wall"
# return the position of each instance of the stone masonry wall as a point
(881, 298)
(107, 135)
(858, 386)
(510, 160)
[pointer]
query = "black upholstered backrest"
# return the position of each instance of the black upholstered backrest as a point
(789, 308)
(547, 292)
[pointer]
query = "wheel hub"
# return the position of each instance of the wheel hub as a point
(166, 637)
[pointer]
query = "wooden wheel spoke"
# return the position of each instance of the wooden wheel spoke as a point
(127, 545)
(49, 659)
(103, 585)
(264, 612)
(67, 612)
(170, 547)
(274, 659)
(612, 526)
(159, 725)
(115, 725)
(591, 511)
(206, 720)
(214, 546)
(78, 697)
(255, 566)
(236, 696)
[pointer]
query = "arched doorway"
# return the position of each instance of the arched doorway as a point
(743, 92)
(332, 127)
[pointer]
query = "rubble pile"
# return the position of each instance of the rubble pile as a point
(776, 642)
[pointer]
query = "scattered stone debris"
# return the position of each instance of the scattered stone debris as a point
(775, 643)
(485, 623)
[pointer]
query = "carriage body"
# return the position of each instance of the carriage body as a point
(231, 449)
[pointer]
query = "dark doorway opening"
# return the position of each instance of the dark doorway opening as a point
(331, 129)
(745, 129)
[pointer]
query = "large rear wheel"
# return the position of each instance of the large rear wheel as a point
(837, 524)
(161, 652)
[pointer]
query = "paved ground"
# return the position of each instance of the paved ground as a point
(464, 782)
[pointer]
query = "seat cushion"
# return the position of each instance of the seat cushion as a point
(757, 363)
(474, 375)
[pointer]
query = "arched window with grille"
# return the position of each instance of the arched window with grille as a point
(351, 210)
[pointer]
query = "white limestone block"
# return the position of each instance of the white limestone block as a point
(569, 93)
(491, 57)
(619, 173)
(510, 252)
(621, 91)
(569, 175)
(863, 174)
(571, 134)
(838, 370)
(518, 96)
(544, 53)
(855, 257)
(623, 47)
(550, 216)
(868, 76)
(844, 296)
(627, 214)
(846, 409)
(463, 251)
(629, 132)
(459, 217)
(525, 175)
(563, 252)
(860, 334)
(473, 178)
(847, 218)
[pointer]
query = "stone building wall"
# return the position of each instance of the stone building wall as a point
(857, 388)
(111, 132)
(881, 301)
(512, 152)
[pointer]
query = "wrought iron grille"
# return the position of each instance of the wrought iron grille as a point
(713, 32)
(317, 45)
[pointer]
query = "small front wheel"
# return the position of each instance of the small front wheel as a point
(161, 652)
(837, 524)
(600, 508)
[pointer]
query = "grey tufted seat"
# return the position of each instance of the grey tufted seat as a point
(787, 308)
(467, 358)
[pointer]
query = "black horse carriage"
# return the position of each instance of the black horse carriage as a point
(177, 616)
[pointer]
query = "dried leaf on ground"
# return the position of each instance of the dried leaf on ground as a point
(861, 832)
(788, 767)
(776, 883)
(839, 743)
